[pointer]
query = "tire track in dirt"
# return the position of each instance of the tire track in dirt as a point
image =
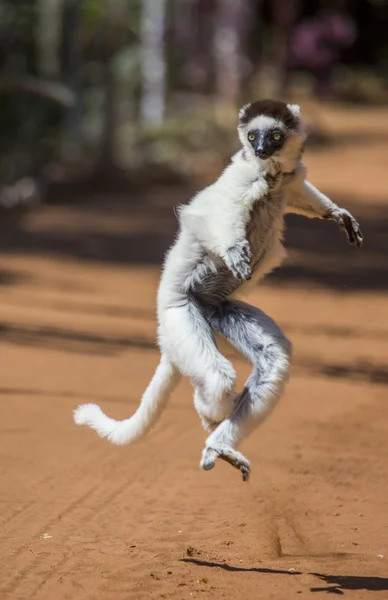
(50, 486)
(85, 508)
(17, 578)
(45, 487)
(182, 528)
(96, 504)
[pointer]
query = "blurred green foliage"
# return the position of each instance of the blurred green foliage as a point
(98, 58)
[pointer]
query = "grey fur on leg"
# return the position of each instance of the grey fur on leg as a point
(260, 339)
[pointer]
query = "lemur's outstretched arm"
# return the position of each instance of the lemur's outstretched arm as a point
(307, 200)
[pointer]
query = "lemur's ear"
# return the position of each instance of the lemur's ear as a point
(243, 112)
(295, 109)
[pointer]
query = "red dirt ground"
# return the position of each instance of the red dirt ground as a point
(82, 519)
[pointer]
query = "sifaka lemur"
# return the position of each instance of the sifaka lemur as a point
(230, 236)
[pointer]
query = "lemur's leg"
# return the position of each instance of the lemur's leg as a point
(258, 337)
(212, 410)
(189, 342)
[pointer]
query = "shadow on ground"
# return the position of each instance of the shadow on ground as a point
(82, 342)
(336, 584)
(67, 340)
(107, 231)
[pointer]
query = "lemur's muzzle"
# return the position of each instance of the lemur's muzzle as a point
(264, 147)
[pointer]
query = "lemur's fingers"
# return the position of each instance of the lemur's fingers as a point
(246, 250)
(358, 234)
(237, 260)
(241, 270)
(347, 222)
(233, 457)
(347, 226)
(353, 230)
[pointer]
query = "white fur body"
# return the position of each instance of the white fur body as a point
(216, 219)
(244, 208)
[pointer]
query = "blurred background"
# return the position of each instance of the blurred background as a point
(114, 112)
(136, 92)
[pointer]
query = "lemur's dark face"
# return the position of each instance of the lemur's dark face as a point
(272, 130)
(266, 142)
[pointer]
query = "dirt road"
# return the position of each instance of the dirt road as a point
(82, 519)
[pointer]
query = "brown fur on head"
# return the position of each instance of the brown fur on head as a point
(272, 131)
(279, 111)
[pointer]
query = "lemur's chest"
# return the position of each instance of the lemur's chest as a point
(265, 226)
(266, 220)
(266, 211)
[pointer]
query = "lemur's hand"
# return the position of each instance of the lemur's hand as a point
(237, 260)
(347, 222)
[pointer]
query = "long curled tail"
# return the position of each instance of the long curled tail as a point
(154, 400)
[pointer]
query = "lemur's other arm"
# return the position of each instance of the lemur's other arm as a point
(307, 200)
(220, 229)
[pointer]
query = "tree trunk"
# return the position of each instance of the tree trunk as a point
(153, 63)
(107, 158)
(284, 14)
(71, 68)
(48, 38)
(250, 50)
(227, 51)
(113, 25)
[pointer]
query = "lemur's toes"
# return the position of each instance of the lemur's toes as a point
(208, 459)
(245, 472)
(233, 457)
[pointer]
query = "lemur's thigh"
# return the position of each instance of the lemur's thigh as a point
(249, 329)
(188, 340)
(213, 408)
(260, 339)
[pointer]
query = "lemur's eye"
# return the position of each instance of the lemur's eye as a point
(276, 136)
(251, 137)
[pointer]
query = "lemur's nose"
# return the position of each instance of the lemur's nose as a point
(262, 151)
(262, 148)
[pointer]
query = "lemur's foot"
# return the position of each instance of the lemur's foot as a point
(237, 260)
(349, 224)
(233, 457)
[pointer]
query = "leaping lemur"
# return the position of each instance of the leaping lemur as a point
(230, 236)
